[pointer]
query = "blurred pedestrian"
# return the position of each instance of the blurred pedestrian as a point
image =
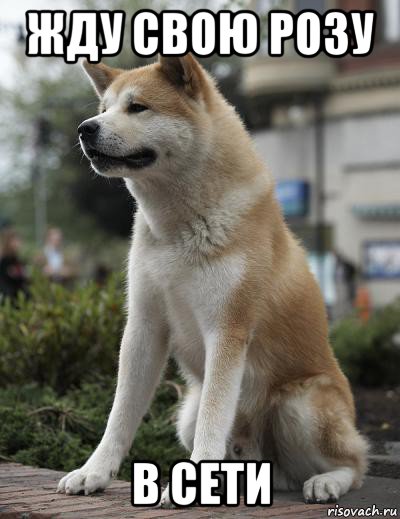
(346, 272)
(54, 261)
(346, 283)
(101, 274)
(13, 277)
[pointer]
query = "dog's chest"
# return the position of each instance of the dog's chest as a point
(196, 295)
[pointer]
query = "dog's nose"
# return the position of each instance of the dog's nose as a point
(88, 129)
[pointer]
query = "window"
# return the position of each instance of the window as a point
(381, 260)
(316, 5)
(263, 6)
(391, 20)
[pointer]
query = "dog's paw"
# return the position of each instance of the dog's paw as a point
(165, 499)
(85, 480)
(321, 489)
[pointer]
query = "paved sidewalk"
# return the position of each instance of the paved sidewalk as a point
(29, 493)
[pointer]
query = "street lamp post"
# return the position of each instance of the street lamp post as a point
(41, 135)
(320, 189)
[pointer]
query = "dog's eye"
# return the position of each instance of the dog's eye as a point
(135, 108)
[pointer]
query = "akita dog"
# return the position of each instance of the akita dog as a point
(217, 280)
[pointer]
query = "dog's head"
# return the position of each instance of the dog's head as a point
(152, 119)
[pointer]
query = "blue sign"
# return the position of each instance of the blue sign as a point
(381, 259)
(294, 197)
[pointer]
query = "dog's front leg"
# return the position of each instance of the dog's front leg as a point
(142, 356)
(225, 362)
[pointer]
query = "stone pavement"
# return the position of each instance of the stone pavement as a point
(29, 493)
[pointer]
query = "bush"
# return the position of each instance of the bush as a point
(40, 428)
(58, 365)
(369, 353)
(61, 337)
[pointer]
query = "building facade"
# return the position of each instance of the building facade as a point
(333, 126)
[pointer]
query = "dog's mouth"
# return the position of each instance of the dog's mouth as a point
(141, 159)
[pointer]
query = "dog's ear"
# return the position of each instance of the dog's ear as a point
(100, 75)
(184, 72)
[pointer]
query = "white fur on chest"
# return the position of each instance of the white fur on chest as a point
(195, 295)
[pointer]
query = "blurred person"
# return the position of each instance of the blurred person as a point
(345, 278)
(101, 274)
(346, 272)
(13, 277)
(54, 261)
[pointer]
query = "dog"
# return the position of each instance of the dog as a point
(217, 280)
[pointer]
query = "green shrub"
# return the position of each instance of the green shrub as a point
(58, 365)
(39, 428)
(369, 353)
(61, 337)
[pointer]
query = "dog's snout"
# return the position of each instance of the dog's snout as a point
(88, 129)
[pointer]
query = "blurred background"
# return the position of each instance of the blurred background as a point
(328, 130)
